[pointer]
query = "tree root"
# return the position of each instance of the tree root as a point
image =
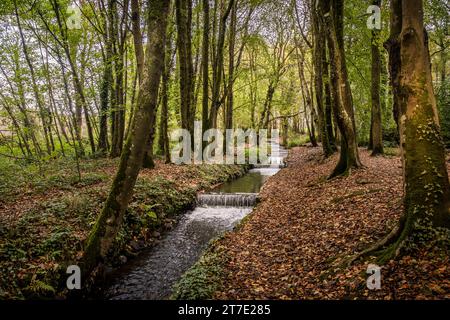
(385, 249)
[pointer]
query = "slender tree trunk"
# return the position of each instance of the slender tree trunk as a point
(105, 89)
(392, 45)
(80, 98)
(110, 219)
(349, 156)
(307, 102)
(119, 31)
(205, 66)
(231, 65)
(20, 133)
(43, 111)
(265, 115)
(328, 100)
(443, 62)
(376, 128)
(218, 67)
(319, 58)
(164, 119)
(184, 44)
(29, 130)
(137, 37)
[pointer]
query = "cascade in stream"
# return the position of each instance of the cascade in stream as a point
(227, 199)
(153, 274)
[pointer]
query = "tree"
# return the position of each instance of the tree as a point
(342, 95)
(119, 30)
(320, 61)
(106, 85)
(231, 66)
(426, 185)
(110, 218)
(184, 45)
(427, 190)
(392, 45)
(205, 66)
(43, 111)
(376, 142)
(218, 67)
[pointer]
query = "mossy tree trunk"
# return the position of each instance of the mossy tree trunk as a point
(106, 88)
(426, 184)
(205, 67)
(376, 137)
(342, 96)
(427, 191)
(392, 45)
(163, 141)
(319, 60)
(327, 99)
(186, 69)
(110, 219)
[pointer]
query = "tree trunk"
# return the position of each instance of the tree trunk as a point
(43, 111)
(184, 44)
(163, 126)
(110, 219)
(349, 156)
(376, 128)
(119, 31)
(137, 37)
(392, 45)
(231, 47)
(319, 58)
(265, 115)
(218, 67)
(307, 102)
(205, 67)
(105, 89)
(327, 99)
(426, 184)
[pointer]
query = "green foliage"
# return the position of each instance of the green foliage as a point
(443, 102)
(18, 177)
(297, 140)
(203, 279)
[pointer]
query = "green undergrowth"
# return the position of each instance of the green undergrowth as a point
(44, 235)
(203, 279)
(18, 178)
(296, 140)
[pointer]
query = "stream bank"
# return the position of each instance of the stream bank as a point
(43, 232)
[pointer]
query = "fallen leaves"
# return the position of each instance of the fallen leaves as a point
(285, 249)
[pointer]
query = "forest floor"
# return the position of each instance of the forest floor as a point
(285, 247)
(46, 214)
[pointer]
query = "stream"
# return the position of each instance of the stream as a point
(152, 274)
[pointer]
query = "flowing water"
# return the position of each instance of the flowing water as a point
(153, 273)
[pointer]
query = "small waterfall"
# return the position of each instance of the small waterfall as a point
(227, 199)
(153, 274)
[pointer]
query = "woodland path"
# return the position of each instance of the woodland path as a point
(304, 220)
